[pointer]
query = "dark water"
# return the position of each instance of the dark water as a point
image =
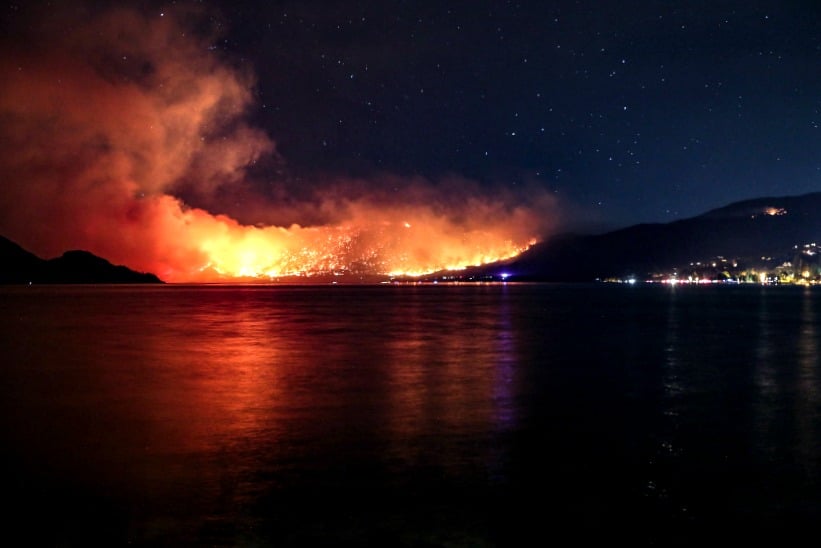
(490, 415)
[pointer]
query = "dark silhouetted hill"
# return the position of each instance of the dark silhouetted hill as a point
(747, 230)
(74, 267)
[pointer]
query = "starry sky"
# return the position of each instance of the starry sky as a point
(630, 111)
(626, 112)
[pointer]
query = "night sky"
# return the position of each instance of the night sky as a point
(618, 112)
(628, 111)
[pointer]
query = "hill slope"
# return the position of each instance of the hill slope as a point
(747, 230)
(20, 266)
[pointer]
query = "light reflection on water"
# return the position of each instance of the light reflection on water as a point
(809, 386)
(420, 415)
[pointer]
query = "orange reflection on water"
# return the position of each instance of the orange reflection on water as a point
(451, 373)
(222, 367)
(212, 395)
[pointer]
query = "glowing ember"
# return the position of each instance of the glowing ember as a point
(274, 252)
(217, 248)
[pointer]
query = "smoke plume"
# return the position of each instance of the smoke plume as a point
(107, 120)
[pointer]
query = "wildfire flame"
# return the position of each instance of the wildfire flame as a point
(210, 247)
(108, 126)
(273, 252)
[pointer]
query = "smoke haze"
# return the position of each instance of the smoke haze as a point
(106, 121)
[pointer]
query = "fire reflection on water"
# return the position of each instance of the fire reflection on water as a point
(228, 393)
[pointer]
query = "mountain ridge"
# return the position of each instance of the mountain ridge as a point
(20, 266)
(748, 230)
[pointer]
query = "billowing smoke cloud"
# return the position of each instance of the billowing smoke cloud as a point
(104, 124)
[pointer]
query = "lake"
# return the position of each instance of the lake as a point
(413, 415)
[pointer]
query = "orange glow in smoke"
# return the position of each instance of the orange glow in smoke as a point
(109, 125)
